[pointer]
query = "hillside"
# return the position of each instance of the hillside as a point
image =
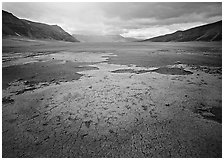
(209, 32)
(103, 38)
(13, 26)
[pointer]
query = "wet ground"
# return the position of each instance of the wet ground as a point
(111, 99)
(161, 70)
(50, 71)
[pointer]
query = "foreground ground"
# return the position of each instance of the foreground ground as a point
(111, 100)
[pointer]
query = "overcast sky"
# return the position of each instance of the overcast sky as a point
(139, 20)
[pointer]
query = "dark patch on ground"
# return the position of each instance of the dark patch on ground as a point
(169, 54)
(165, 59)
(130, 71)
(144, 107)
(7, 100)
(50, 71)
(209, 70)
(87, 123)
(172, 71)
(214, 113)
(162, 70)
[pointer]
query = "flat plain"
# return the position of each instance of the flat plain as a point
(136, 99)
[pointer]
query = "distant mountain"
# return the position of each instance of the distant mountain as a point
(13, 26)
(209, 32)
(103, 38)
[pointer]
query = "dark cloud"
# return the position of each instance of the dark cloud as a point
(164, 12)
(159, 10)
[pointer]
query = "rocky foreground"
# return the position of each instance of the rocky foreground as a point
(115, 111)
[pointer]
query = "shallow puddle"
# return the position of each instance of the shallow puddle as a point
(50, 71)
(162, 70)
(172, 71)
(130, 71)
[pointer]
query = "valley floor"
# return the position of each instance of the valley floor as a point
(108, 100)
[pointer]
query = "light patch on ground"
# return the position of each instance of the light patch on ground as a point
(81, 56)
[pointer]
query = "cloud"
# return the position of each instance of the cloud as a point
(145, 19)
(160, 10)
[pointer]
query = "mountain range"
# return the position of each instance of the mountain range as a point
(13, 26)
(208, 32)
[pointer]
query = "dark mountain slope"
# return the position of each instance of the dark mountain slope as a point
(13, 26)
(209, 32)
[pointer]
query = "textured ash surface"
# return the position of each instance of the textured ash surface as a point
(106, 114)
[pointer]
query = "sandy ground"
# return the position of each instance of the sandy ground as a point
(106, 114)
